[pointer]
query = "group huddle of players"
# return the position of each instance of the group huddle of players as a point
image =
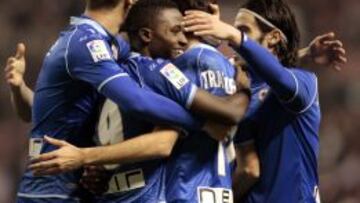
(173, 119)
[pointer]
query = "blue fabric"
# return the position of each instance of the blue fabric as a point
(194, 161)
(283, 119)
(67, 100)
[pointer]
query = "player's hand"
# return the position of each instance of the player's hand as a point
(205, 24)
(95, 179)
(326, 50)
(15, 67)
(64, 159)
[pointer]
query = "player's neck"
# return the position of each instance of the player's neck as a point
(192, 41)
(145, 52)
(109, 19)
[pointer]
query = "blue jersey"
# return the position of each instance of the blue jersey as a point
(136, 182)
(199, 165)
(81, 67)
(283, 118)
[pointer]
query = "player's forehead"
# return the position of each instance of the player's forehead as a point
(169, 17)
(244, 19)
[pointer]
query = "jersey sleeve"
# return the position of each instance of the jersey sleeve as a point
(306, 92)
(291, 87)
(168, 80)
(89, 59)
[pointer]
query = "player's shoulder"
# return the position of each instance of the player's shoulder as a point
(202, 54)
(209, 56)
(303, 74)
(145, 62)
(83, 30)
(86, 44)
(85, 33)
(207, 51)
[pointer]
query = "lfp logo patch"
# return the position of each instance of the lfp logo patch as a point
(98, 50)
(174, 76)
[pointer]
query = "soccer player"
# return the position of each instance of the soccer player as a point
(164, 15)
(285, 114)
(77, 71)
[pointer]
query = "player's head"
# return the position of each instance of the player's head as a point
(155, 25)
(118, 7)
(271, 23)
(201, 5)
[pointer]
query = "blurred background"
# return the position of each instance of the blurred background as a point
(38, 22)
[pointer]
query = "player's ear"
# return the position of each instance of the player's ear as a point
(273, 38)
(145, 35)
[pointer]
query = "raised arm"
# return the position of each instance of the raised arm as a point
(290, 86)
(21, 95)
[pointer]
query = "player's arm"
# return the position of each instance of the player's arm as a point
(167, 79)
(228, 110)
(90, 60)
(324, 51)
(158, 144)
(221, 113)
(291, 88)
(21, 95)
(247, 170)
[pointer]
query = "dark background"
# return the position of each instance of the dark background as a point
(38, 22)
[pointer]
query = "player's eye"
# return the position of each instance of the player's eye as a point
(176, 29)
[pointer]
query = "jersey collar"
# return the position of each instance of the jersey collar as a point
(134, 55)
(80, 20)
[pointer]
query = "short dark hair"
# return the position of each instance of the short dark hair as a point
(102, 4)
(144, 13)
(279, 14)
(202, 5)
